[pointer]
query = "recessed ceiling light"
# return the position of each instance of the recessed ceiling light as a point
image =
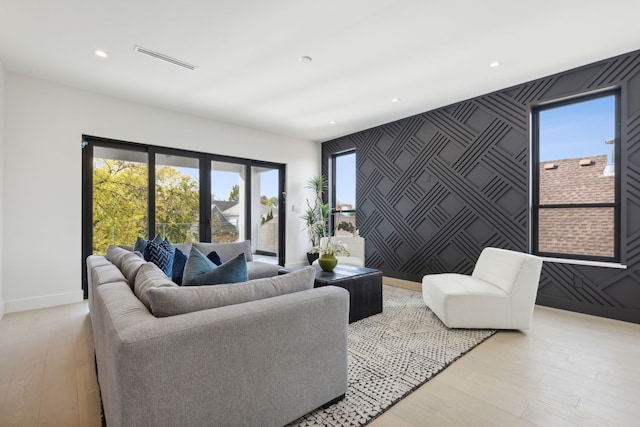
(305, 59)
(395, 99)
(495, 64)
(101, 53)
(332, 122)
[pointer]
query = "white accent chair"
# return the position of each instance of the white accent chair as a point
(499, 294)
(355, 246)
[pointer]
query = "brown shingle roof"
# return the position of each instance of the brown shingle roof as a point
(585, 231)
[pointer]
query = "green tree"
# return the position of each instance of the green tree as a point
(177, 205)
(234, 194)
(119, 203)
(120, 200)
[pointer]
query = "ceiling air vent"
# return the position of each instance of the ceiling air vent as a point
(165, 58)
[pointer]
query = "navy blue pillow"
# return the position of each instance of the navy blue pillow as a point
(214, 257)
(160, 256)
(202, 271)
(179, 261)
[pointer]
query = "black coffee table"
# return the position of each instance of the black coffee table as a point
(364, 286)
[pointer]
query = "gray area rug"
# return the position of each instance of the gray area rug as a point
(390, 355)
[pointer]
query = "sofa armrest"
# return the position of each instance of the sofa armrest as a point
(264, 362)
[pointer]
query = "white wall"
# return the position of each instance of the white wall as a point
(1, 183)
(44, 123)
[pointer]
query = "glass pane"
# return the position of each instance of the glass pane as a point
(227, 202)
(577, 231)
(577, 152)
(345, 182)
(345, 223)
(120, 197)
(177, 198)
(264, 210)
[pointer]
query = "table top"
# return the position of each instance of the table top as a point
(340, 272)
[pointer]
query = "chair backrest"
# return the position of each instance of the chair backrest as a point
(509, 270)
(355, 245)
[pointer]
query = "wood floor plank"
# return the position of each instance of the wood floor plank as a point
(21, 406)
(569, 369)
(88, 396)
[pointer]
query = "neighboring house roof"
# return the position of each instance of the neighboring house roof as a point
(223, 205)
(585, 231)
(566, 181)
(220, 221)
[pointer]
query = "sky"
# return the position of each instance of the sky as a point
(577, 130)
(222, 182)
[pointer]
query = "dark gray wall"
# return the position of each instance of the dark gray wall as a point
(434, 189)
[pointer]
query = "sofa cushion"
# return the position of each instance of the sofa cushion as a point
(199, 270)
(107, 273)
(150, 276)
(130, 265)
(173, 301)
(226, 251)
(116, 254)
(258, 269)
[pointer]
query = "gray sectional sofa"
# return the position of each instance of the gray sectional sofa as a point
(269, 351)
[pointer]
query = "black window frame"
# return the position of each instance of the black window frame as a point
(332, 185)
(616, 205)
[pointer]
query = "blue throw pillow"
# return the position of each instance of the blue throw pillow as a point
(214, 257)
(202, 271)
(140, 245)
(179, 261)
(160, 256)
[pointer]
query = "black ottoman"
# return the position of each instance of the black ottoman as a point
(364, 286)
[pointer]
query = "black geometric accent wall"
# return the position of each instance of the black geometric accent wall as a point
(434, 189)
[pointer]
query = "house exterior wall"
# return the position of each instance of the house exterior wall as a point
(434, 189)
(44, 124)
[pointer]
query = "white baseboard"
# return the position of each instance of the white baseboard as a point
(22, 304)
(1, 308)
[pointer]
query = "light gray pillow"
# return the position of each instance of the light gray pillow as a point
(150, 276)
(173, 301)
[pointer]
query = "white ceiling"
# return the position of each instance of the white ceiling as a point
(365, 52)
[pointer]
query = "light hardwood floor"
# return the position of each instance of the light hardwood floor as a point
(568, 370)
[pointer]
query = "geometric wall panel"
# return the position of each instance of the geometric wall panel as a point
(434, 189)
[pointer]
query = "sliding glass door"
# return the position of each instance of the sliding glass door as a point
(135, 190)
(120, 197)
(177, 198)
(267, 212)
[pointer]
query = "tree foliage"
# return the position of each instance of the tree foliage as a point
(234, 194)
(120, 203)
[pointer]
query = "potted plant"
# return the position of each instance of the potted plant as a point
(316, 215)
(328, 251)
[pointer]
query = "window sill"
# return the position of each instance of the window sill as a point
(585, 262)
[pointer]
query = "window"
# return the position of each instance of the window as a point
(576, 178)
(177, 184)
(343, 193)
(120, 202)
(135, 190)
